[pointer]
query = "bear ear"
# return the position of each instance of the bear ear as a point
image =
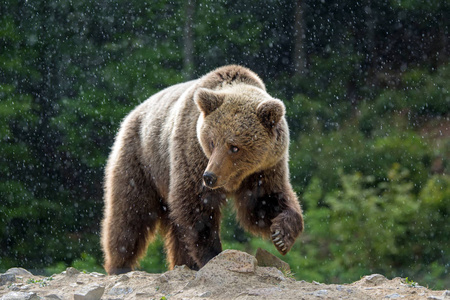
(207, 100)
(270, 112)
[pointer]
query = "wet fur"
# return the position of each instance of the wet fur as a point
(153, 178)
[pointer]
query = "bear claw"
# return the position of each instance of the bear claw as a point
(279, 242)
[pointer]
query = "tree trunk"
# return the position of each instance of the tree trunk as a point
(188, 41)
(299, 57)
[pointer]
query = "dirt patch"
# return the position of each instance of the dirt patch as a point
(230, 275)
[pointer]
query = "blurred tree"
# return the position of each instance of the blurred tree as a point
(76, 69)
(188, 40)
(299, 53)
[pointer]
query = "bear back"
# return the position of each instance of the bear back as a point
(230, 75)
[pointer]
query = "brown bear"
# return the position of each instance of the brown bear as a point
(180, 154)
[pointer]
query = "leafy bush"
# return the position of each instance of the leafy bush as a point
(155, 260)
(421, 95)
(363, 228)
(87, 263)
(322, 155)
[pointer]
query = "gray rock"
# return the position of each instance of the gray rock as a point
(270, 275)
(53, 297)
(90, 292)
(19, 272)
(179, 273)
(320, 293)
(72, 271)
(235, 261)
(7, 278)
(14, 288)
(20, 296)
(374, 279)
(446, 293)
(225, 268)
(123, 277)
(205, 294)
(394, 296)
(266, 259)
(264, 292)
(163, 278)
(120, 290)
(183, 267)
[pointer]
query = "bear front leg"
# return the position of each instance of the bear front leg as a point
(176, 250)
(198, 226)
(266, 205)
(287, 225)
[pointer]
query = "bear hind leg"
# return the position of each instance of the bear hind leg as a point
(132, 214)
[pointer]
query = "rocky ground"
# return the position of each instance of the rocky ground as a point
(230, 275)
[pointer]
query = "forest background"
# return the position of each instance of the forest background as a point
(366, 85)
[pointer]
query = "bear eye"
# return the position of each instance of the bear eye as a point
(211, 144)
(234, 149)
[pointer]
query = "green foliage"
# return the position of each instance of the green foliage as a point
(40, 282)
(87, 262)
(410, 282)
(432, 221)
(155, 260)
(381, 212)
(55, 269)
(365, 208)
(363, 228)
(423, 95)
(323, 154)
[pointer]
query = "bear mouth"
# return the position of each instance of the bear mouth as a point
(216, 187)
(233, 182)
(230, 185)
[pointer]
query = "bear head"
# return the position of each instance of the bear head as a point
(242, 130)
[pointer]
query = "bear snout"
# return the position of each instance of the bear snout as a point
(209, 179)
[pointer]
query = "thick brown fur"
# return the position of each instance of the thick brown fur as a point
(181, 153)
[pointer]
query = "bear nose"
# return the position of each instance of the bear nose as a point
(209, 179)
